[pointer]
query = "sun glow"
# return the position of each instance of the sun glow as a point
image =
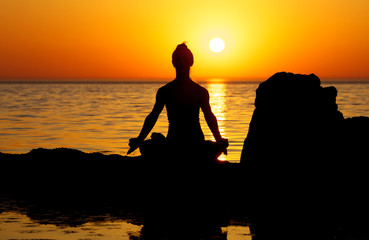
(218, 104)
(216, 44)
(109, 40)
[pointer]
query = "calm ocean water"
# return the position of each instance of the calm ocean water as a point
(104, 116)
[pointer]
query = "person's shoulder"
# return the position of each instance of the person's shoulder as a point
(201, 89)
(202, 92)
(198, 86)
(167, 85)
(163, 90)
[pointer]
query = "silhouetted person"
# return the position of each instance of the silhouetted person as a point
(183, 100)
(177, 190)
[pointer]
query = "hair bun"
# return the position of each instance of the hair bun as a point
(182, 46)
(182, 56)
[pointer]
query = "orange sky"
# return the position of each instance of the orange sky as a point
(119, 39)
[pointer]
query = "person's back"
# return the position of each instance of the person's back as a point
(183, 100)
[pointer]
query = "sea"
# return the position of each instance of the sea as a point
(102, 117)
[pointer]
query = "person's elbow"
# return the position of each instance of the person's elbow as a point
(152, 117)
(210, 117)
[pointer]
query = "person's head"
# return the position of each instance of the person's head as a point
(182, 57)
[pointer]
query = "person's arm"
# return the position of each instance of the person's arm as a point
(148, 125)
(210, 118)
(212, 122)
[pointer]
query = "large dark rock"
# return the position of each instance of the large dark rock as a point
(302, 159)
(293, 112)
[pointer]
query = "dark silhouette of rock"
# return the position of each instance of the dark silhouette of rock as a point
(68, 175)
(69, 187)
(303, 161)
(292, 112)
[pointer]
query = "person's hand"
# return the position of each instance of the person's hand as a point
(223, 144)
(134, 143)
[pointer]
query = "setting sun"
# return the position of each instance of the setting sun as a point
(216, 45)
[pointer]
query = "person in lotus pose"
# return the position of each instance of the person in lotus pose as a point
(183, 99)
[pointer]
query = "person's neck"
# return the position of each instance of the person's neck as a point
(183, 74)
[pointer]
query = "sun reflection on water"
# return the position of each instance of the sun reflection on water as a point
(217, 92)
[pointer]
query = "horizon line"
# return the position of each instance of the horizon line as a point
(158, 80)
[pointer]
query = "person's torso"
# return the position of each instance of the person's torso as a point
(183, 102)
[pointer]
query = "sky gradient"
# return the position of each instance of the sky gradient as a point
(90, 39)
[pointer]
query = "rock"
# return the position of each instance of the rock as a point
(296, 125)
(303, 161)
(293, 117)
